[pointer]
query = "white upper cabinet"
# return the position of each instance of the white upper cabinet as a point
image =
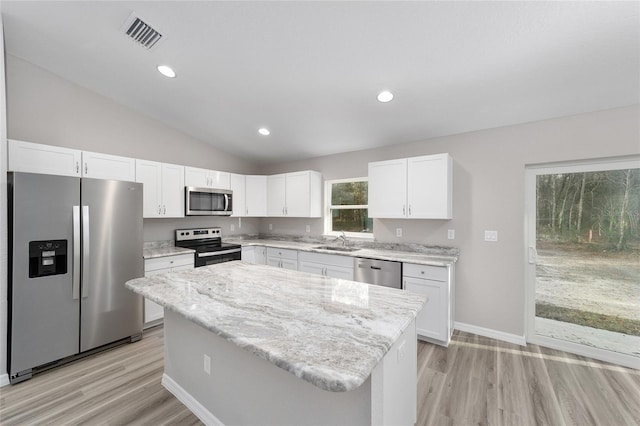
(53, 160)
(255, 196)
(414, 188)
(238, 183)
(105, 166)
(297, 194)
(203, 178)
(163, 190)
(36, 158)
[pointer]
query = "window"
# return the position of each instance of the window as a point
(347, 208)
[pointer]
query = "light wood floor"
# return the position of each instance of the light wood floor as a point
(475, 381)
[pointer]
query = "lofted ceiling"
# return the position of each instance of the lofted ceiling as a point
(310, 71)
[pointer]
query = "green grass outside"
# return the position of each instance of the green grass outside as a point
(589, 319)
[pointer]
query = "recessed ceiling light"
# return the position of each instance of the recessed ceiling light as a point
(264, 131)
(166, 71)
(385, 96)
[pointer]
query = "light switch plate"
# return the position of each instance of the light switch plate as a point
(491, 236)
(271, 227)
(233, 227)
(398, 232)
(207, 364)
(451, 234)
(308, 228)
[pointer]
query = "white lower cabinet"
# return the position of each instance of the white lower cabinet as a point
(329, 265)
(153, 313)
(254, 254)
(282, 258)
(435, 321)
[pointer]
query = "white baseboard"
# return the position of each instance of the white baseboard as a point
(190, 402)
(4, 380)
(493, 334)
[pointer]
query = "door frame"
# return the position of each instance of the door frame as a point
(530, 255)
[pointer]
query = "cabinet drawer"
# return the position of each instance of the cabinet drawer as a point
(283, 253)
(326, 259)
(437, 273)
(168, 262)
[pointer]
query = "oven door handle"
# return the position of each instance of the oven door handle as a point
(218, 253)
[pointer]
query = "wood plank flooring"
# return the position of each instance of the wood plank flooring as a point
(476, 380)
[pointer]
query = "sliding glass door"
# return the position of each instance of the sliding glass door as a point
(583, 258)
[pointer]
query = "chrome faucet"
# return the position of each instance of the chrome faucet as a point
(343, 237)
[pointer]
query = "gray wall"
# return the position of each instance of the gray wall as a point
(489, 170)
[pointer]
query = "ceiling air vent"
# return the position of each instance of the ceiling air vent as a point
(141, 32)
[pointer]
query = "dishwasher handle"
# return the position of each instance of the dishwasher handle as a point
(376, 268)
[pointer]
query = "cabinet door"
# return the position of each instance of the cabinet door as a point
(36, 158)
(433, 320)
(196, 177)
(388, 189)
(219, 180)
(149, 173)
(261, 255)
(238, 196)
(339, 272)
(256, 196)
(276, 201)
(273, 261)
(310, 267)
(290, 264)
(104, 166)
(153, 311)
(172, 190)
(249, 254)
(429, 187)
(297, 194)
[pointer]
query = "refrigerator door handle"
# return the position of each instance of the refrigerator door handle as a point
(75, 288)
(86, 261)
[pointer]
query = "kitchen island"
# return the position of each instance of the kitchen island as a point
(252, 344)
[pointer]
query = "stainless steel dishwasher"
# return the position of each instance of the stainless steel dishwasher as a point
(380, 272)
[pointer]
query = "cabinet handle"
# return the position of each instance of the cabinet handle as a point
(283, 210)
(164, 209)
(403, 210)
(86, 168)
(159, 209)
(409, 209)
(77, 167)
(246, 212)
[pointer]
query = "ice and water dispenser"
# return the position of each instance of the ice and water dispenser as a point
(47, 258)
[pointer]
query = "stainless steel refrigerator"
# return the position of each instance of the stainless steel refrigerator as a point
(73, 243)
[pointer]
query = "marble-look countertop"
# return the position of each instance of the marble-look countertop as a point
(155, 249)
(327, 331)
(410, 253)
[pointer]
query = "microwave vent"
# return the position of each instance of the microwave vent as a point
(142, 33)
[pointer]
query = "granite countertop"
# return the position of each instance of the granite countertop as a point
(327, 331)
(155, 249)
(411, 253)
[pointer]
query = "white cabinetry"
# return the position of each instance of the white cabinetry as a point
(203, 178)
(294, 194)
(238, 187)
(53, 160)
(414, 188)
(329, 265)
(255, 196)
(254, 254)
(435, 321)
(105, 166)
(153, 312)
(163, 188)
(282, 258)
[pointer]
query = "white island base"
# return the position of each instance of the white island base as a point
(244, 389)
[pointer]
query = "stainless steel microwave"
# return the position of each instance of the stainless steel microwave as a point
(208, 202)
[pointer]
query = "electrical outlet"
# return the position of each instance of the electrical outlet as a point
(308, 228)
(451, 234)
(271, 227)
(233, 227)
(207, 364)
(398, 232)
(491, 236)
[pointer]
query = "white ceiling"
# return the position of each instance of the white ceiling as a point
(310, 71)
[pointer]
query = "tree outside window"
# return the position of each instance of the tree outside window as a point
(348, 207)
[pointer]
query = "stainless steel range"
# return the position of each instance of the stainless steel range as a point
(207, 242)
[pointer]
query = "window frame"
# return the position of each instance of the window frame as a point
(328, 231)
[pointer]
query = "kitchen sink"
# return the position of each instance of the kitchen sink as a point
(337, 248)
